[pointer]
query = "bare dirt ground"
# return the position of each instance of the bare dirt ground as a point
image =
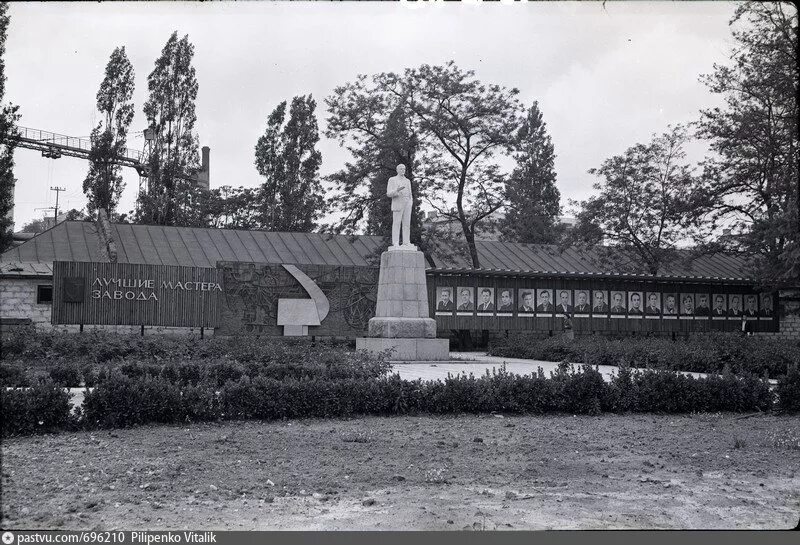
(421, 473)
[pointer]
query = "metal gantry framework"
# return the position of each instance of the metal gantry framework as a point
(54, 145)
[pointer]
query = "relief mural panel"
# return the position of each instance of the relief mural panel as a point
(251, 292)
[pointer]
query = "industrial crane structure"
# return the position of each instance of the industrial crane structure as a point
(54, 145)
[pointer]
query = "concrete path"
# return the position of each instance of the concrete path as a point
(477, 363)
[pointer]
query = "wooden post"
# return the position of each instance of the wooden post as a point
(201, 332)
(81, 329)
(142, 330)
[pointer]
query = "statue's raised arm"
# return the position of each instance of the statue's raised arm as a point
(399, 190)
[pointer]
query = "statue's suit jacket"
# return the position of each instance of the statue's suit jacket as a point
(400, 201)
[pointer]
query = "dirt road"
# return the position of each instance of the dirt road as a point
(467, 472)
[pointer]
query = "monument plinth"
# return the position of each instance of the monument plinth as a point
(401, 319)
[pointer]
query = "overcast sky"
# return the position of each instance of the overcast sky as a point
(605, 77)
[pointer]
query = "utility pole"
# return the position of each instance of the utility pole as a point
(57, 190)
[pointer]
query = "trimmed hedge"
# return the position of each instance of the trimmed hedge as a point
(75, 360)
(13, 375)
(788, 391)
(120, 400)
(40, 409)
(98, 346)
(123, 401)
(701, 354)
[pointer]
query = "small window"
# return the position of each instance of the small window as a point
(44, 295)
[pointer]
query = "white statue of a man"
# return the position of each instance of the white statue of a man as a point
(399, 190)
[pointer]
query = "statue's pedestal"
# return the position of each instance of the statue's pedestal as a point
(401, 317)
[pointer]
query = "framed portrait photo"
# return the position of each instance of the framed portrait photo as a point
(767, 309)
(564, 302)
(526, 301)
(600, 303)
(652, 309)
(635, 305)
(444, 300)
(669, 310)
(735, 306)
(485, 304)
(686, 309)
(505, 301)
(751, 306)
(719, 306)
(702, 305)
(618, 309)
(582, 307)
(544, 302)
(465, 300)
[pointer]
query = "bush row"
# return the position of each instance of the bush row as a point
(121, 400)
(98, 346)
(277, 359)
(40, 409)
(702, 354)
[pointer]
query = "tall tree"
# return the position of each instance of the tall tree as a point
(171, 199)
(362, 185)
(233, 208)
(752, 180)
(8, 119)
(38, 225)
(461, 125)
(647, 202)
(532, 199)
(286, 156)
(103, 184)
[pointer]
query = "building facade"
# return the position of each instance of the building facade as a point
(519, 287)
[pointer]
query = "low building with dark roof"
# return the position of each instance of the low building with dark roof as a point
(559, 283)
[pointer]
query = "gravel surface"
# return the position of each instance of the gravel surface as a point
(420, 473)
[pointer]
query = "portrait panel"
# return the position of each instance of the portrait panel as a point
(564, 302)
(618, 303)
(719, 306)
(600, 303)
(465, 299)
(652, 307)
(767, 309)
(635, 304)
(702, 305)
(526, 298)
(544, 302)
(582, 303)
(687, 305)
(485, 303)
(751, 306)
(735, 306)
(505, 300)
(669, 309)
(444, 300)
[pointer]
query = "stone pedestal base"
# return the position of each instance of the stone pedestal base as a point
(402, 288)
(410, 328)
(408, 349)
(402, 320)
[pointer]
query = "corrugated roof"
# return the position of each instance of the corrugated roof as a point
(201, 247)
(551, 259)
(197, 247)
(19, 269)
(67, 241)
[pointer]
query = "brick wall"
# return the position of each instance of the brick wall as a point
(18, 302)
(789, 313)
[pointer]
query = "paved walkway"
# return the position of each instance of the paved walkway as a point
(477, 363)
